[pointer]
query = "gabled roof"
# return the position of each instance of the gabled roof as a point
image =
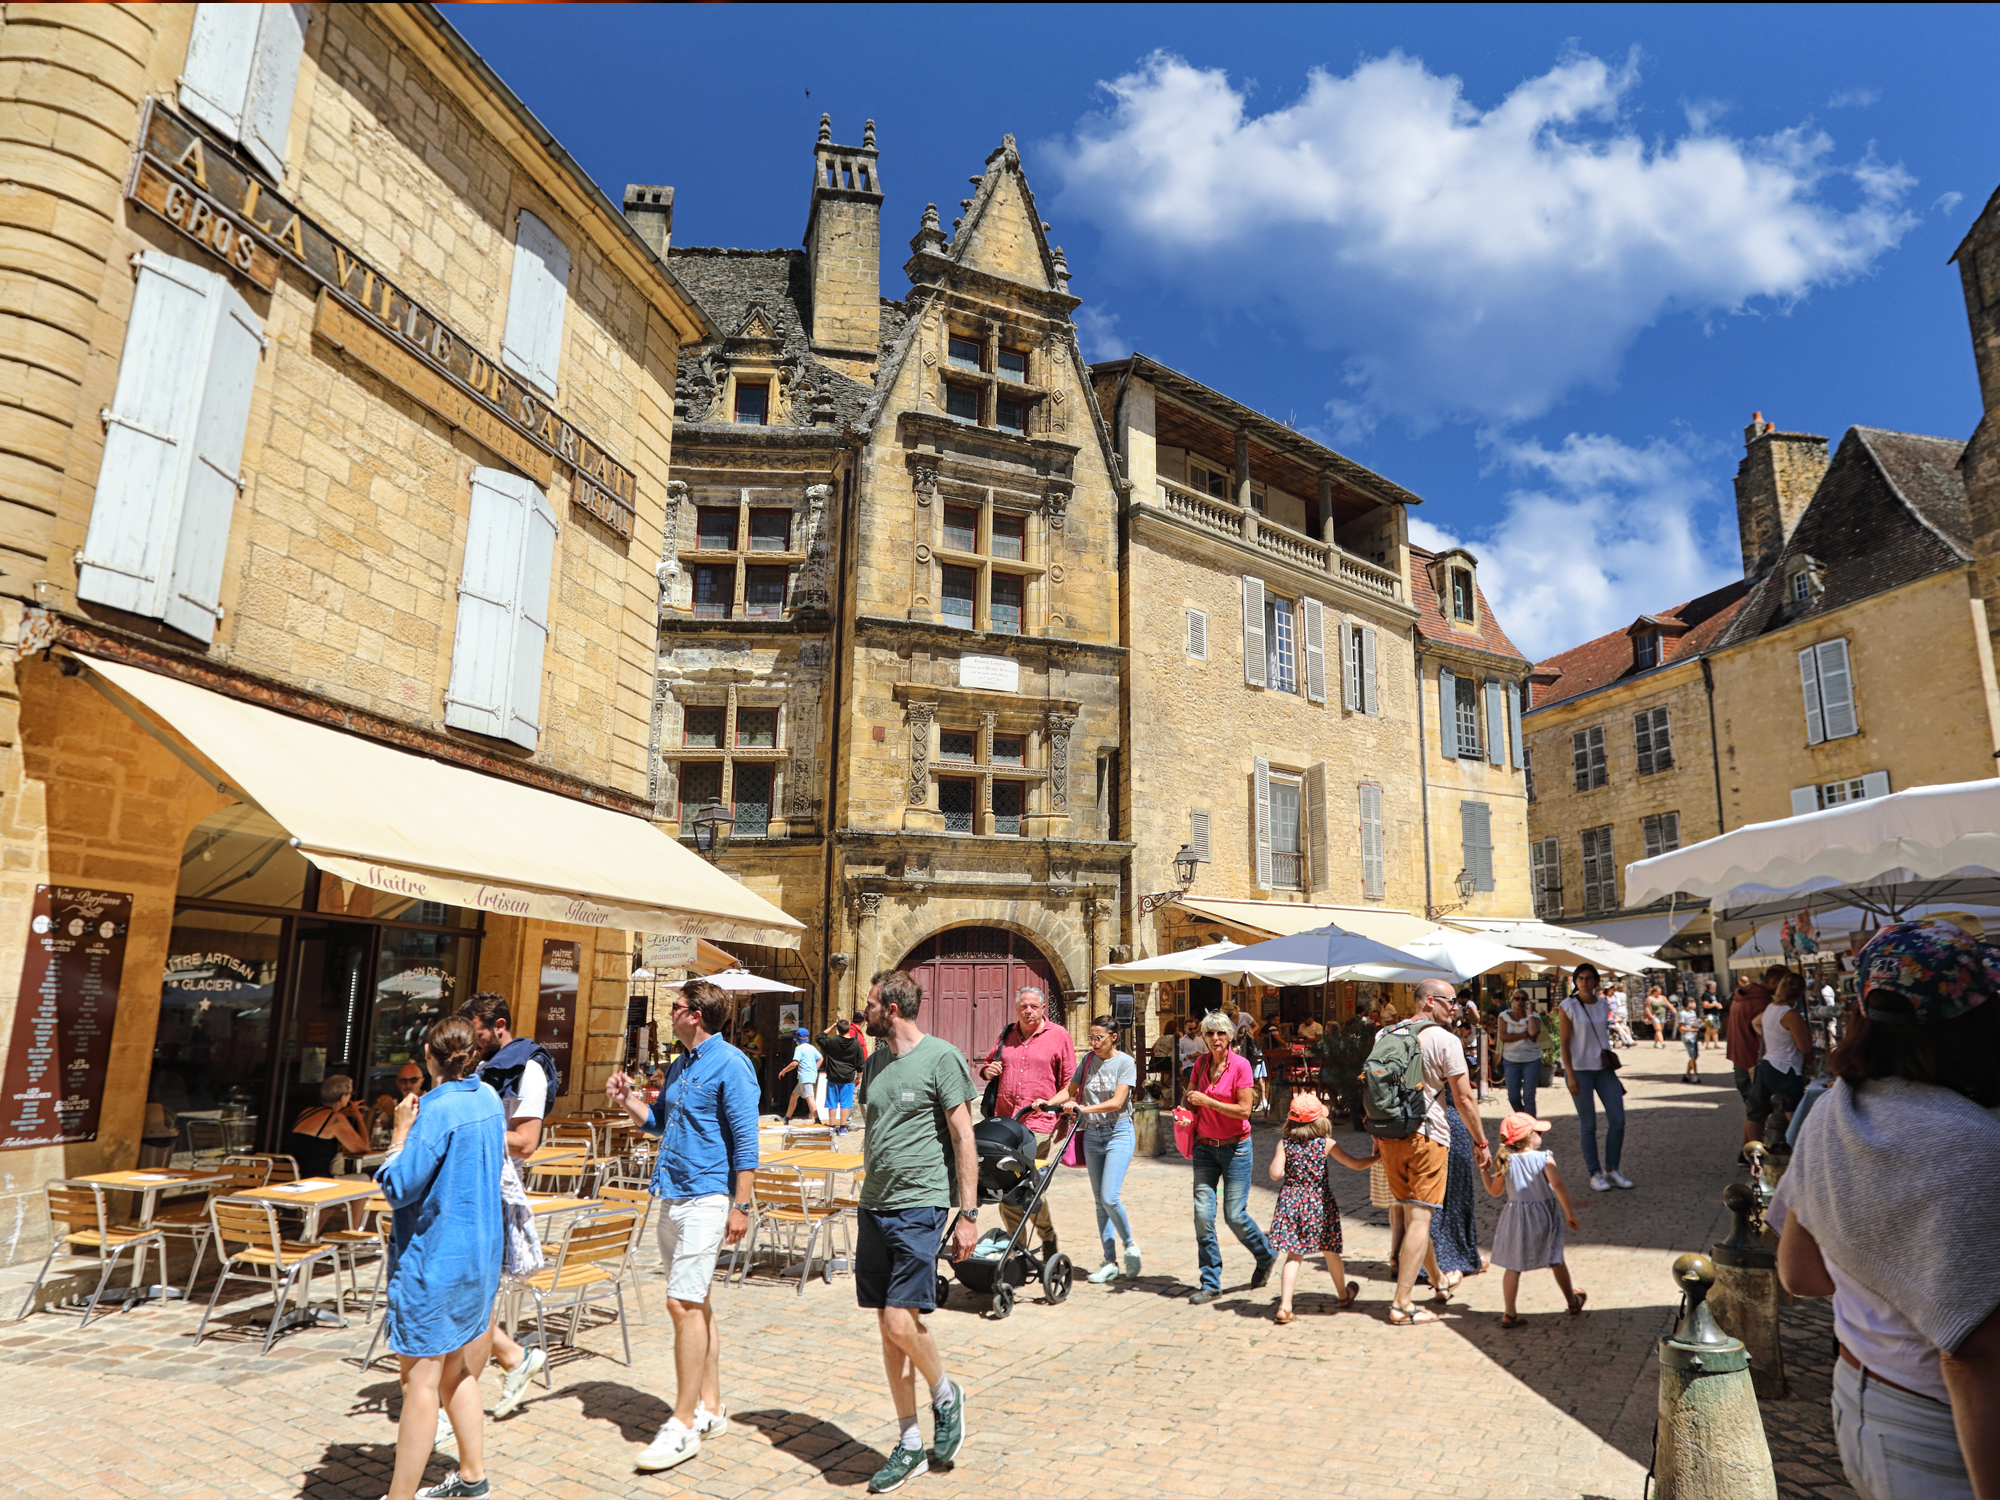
(1433, 625)
(1686, 632)
(1889, 510)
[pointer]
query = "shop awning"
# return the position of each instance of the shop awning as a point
(402, 822)
(1644, 932)
(1283, 918)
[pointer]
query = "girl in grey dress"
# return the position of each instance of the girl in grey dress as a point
(1530, 1236)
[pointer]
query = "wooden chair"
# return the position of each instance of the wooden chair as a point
(79, 1218)
(190, 1216)
(784, 1206)
(558, 1177)
(282, 1168)
(253, 1224)
(594, 1163)
(590, 1264)
(809, 1135)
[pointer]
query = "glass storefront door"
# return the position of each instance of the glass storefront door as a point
(328, 1011)
(212, 1050)
(419, 977)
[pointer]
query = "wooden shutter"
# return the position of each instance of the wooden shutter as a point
(173, 446)
(1261, 790)
(1875, 784)
(496, 654)
(221, 59)
(1197, 635)
(537, 297)
(1447, 714)
(1496, 718)
(1538, 875)
(1600, 876)
(1475, 822)
(1809, 686)
(1198, 833)
(1253, 631)
(1836, 690)
(1642, 741)
(1318, 829)
(1520, 751)
(1315, 633)
(1805, 799)
(1374, 876)
(531, 620)
(1368, 703)
(1350, 677)
(274, 84)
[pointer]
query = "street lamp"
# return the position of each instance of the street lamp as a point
(712, 827)
(1463, 882)
(1185, 864)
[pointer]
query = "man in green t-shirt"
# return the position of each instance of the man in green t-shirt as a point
(916, 1098)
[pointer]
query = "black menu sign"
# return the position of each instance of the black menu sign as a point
(61, 1046)
(555, 1014)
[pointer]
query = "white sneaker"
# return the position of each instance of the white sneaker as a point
(710, 1424)
(514, 1384)
(1106, 1272)
(1132, 1262)
(446, 1439)
(1600, 1182)
(675, 1444)
(1619, 1179)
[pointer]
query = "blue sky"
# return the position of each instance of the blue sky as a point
(1536, 264)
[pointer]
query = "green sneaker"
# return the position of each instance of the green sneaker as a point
(904, 1463)
(948, 1428)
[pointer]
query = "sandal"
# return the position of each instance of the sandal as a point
(1404, 1317)
(1576, 1303)
(1284, 1315)
(1353, 1291)
(1513, 1320)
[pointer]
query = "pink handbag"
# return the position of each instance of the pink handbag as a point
(1184, 1131)
(1073, 1151)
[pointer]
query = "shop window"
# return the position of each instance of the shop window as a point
(964, 352)
(756, 728)
(1009, 536)
(961, 528)
(961, 587)
(770, 531)
(212, 1044)
(753, 801)
(955, 800)
(1006, 609)
(715, 529)
(420, 977)
(241, 855)
(1014, 364)
(1009, 800)
(701, 784)
(713, 591)
(1010, 413)
(962, 402)
(1007, 750)
(753, 403)
(764, 592)
(958, 744)
(701, 726)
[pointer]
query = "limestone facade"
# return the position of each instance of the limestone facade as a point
(1978, 261)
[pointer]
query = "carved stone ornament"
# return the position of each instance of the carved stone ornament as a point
(659, 779)
(1056, 573)
(920, 752)
(809, 591)
(1056, 505)
(923, 477)
(1059, 728)
(923, 552)
(867, 904)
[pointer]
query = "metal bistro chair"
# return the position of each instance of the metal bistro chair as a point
(809, 1135)
(784, 1205)
(253, 1224)
(78, 1218)
(636, 1198)
(189, 1217)
(349, 1244)
(591, 1262)
(206, 1138)
(564, 1177)
(575, 1133)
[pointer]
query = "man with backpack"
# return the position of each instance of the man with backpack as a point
(1414, 1066)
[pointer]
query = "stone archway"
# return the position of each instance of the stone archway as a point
(969, 977)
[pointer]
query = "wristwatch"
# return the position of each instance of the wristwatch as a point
(968, 1213)
(744, 1208)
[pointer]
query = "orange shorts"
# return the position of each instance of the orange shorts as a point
(1416, 1167)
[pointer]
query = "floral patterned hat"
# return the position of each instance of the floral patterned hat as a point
(1921, 973)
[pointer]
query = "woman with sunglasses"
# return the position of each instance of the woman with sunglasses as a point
(1100, 1091)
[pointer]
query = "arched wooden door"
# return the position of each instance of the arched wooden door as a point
(969, 976)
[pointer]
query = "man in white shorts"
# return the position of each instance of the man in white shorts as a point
(706, 1119)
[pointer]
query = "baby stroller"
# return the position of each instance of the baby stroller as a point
(1007, 1174)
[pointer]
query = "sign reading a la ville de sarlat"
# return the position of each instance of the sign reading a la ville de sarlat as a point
(214, 201)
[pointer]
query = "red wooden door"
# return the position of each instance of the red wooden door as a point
(969, 976)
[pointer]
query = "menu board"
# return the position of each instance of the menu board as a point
(555, 1012)
(61, 1046)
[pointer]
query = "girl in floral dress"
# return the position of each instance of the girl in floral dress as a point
(1307, 1221)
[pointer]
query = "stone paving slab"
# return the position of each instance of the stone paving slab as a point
(1123, 1390)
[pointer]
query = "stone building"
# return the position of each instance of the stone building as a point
(1978, 261)
(330, 519)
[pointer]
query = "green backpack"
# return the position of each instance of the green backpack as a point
(1392, 1082)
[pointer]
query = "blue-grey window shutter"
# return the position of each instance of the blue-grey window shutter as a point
(531, 621)
(1447, 714)
(274, 84)
(1476, 841)
(537, 297)
(502, 614)
(1318, 829)
(1514, 725)
(1374, 878)
(1496, 753)
(214, 470)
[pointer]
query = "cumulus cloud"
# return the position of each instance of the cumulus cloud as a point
(1097, 330)
(1596, 533)
(1463, 262)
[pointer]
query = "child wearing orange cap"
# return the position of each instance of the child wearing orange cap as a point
(1530, 1236)
(1307, 1220)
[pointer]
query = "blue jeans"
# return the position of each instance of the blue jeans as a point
(1522, 1079)
(1106, 1155)
(1229, 1166)
(1603, 1084)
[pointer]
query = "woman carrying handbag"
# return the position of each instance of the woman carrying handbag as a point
(1101, 1092)
(1590, 1068)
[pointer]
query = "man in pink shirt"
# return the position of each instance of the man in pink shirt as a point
(1032, 1061)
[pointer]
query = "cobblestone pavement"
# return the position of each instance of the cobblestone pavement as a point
(1122, 1390)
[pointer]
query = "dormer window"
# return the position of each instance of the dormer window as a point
(1802, 586)
(1014, 365)
(1646, 649)
(1461, 595)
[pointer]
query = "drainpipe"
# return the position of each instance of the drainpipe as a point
(1423, 765)
(1714, 748)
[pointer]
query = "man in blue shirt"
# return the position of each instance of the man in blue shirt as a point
(706, 1119)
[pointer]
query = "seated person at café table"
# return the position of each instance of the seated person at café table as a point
(333, 1125)
(409, 1080)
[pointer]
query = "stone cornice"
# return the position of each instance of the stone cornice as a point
(979, 642)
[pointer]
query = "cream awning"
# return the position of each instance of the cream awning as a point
(402, 822)
(1283, 918)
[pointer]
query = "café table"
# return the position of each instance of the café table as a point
(828, 1163)
(147, 1183)
(312, 1196)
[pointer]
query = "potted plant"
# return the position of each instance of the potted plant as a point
(1551, 1043)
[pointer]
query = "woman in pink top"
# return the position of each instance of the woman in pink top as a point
(1220, 1094)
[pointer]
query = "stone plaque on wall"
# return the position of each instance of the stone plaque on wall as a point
(61, 1046)
(555, 1010)
(1000, 673)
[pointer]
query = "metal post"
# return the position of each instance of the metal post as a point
(1710, 1441)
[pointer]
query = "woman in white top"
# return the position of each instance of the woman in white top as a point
(1521, 1053)
(1585, 1024)
(1788, 1047)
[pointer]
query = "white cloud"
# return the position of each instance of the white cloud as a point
(1597, 533)
(1465, 262)
(1098, 332)
(1946, 202)
(1854, 99)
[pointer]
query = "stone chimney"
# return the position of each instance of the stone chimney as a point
(1774, 484)
(844, 252)
(651, 212)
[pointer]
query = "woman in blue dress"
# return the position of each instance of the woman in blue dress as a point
(442, 1179)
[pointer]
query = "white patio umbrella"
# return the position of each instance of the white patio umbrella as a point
(1563, 947)
(1322, 954)
(743, 982)
(1468, 954)
(1164, 968)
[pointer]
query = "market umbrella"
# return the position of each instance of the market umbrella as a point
(1563, 947)
(1331, 952)
(743, 982)
(1164, 968)
(1468, 954)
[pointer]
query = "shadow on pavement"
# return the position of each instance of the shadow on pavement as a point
(840, 1459)
(639, 1414)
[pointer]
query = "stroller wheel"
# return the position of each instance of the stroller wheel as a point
(1003, 1300)
(943, 1289)
(1057, 1275)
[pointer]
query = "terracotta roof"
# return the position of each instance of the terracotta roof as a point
(1608, 659)
(1431, 623)
(1889, 510)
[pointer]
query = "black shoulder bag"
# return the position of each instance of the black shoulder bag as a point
(990, 1101)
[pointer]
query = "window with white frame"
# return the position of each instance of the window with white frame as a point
(1651, 742)
(1646, 650)
(1662, 833)
(1288, 847)
(1466, 717)
(1280, 644)
(1357, 668)
(1587, 756)
(1807, 799)
(1600, 872)
(1827, 683)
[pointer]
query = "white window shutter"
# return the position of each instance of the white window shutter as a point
(1315, 624)
(1875, 784)
(274, 84)
(1836, 690)
(531, 621)
(1374, 877)
(1350, 679)
(1198, 833)
(537, 297)
(221, 60)
(489, 584)
(1496, 752)
(1317, 827)
(1447, 714)
(1253, 631)
(1368, 703)
(1197, 634)
(1514, 726)
(1809, 685)
(1805, 799)
(214, 468)
(1261, 787)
